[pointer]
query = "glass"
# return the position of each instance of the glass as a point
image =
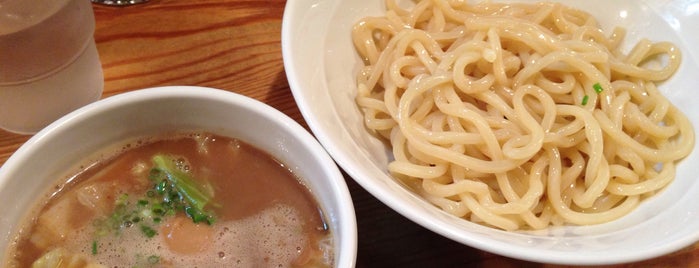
(49, 65)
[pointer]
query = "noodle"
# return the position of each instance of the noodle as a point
(519, 116)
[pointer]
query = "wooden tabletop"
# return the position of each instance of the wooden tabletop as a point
(235, 45)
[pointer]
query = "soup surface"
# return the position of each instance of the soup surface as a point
(195, 200)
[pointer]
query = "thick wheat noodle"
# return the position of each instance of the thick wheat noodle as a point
(519, 116)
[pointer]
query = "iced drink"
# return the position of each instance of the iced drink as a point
(49, 65)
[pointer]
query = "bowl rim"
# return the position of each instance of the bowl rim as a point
(297, 15)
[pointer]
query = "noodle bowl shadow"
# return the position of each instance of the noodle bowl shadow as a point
(67, 142)
(321, 65)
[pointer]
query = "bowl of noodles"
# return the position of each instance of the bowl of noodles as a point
(556, 132)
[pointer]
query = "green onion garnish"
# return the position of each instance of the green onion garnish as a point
(153, 259)
(585, 99)
(598, 88)
(94, 247)
(149, 232)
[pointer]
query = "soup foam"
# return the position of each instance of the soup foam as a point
(240, 243)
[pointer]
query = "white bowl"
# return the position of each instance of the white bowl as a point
(321, 66)
(33, 168)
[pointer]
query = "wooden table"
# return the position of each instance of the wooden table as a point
(235, 45)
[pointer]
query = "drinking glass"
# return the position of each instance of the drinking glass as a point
(49, 65)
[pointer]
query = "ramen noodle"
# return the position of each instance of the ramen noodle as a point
(519, 116)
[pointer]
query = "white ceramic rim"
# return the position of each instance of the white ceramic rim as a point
(301, 14)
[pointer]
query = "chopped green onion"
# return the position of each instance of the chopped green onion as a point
(149, 232)
(158, 209)
(94, 247)
(160, 187)
(173, 190)
(585, 99)
(197, 215)
(598, 88)
(122, 200)
(153, 259)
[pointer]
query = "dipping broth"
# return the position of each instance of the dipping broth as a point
(127, 211)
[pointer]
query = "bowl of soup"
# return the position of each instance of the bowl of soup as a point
(530, 129)
(175, 176)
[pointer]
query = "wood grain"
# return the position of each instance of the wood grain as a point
(231, 45)
(235, 45)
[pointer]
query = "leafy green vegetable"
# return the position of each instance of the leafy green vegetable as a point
(179, 190)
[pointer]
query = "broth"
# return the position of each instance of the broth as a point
(262, 215)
